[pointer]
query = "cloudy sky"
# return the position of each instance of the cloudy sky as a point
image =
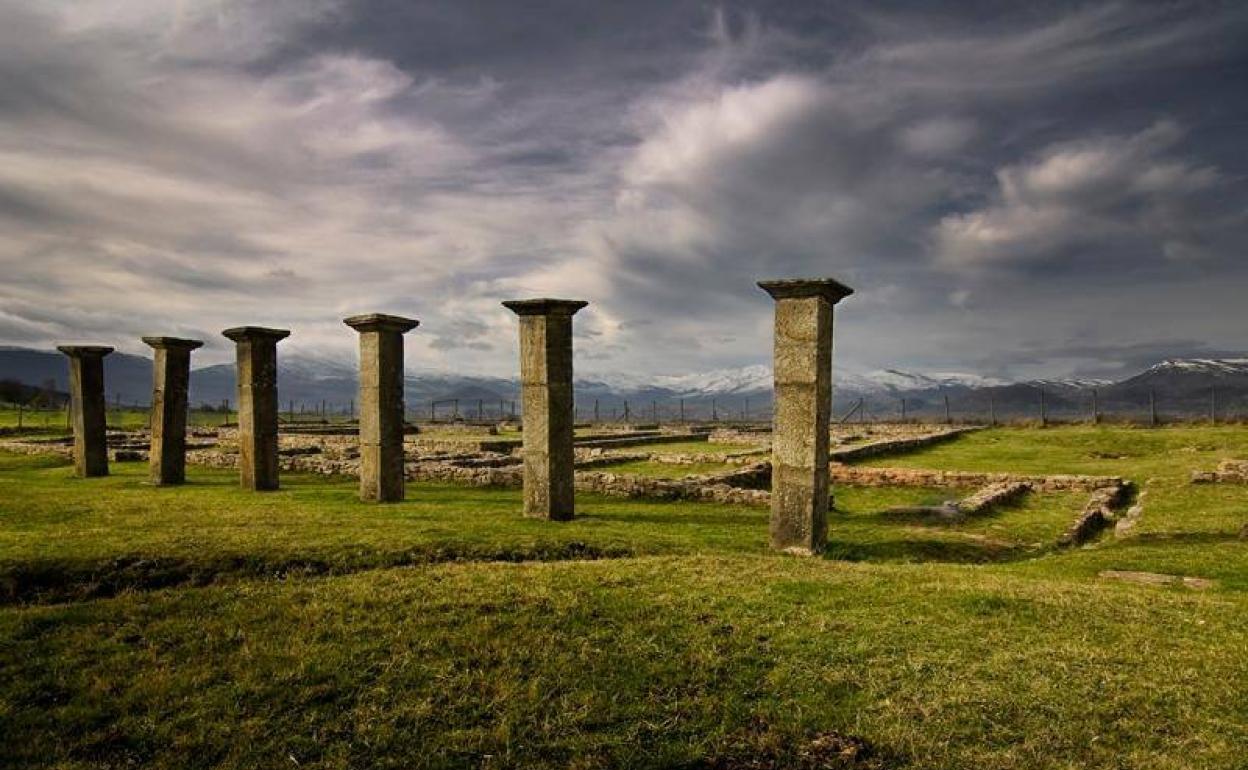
(1019, 190)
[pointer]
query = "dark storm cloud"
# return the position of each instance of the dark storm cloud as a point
(1009, 189)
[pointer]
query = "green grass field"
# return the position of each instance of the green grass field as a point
(208, 627)
(53, 421)
(660, 470)
(692, 448)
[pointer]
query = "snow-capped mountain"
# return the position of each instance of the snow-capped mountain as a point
(1178, 385)
(897, 381)
(1213, 367)
(749, 379)
(1069, 384)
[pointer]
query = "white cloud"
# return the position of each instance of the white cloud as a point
(1081, 199)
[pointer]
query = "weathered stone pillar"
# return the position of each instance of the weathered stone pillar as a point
(171, 377)
(86, 405)
(257, 404)
(803, 404)
(546, 390)
(381, 404)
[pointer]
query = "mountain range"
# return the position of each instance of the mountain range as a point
(309, 383)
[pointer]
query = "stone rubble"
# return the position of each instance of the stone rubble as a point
(1100, 512)
(896, 445)
(921, 477)
(993, 496)
(1228, 472)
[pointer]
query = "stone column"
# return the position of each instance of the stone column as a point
(381, 404)
(546, 390)
(803, 405)
(86, 404)
(257, 404)
(171, 376)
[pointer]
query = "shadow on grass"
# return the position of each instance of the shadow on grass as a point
(52, 581)
(1185, 538)
(726, 519)
(929, 550)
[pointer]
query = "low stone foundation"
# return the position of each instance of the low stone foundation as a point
(895, 445)
(1100, 512)
(981, 502)
(993, 496)
(922, 477)
(1228, 472)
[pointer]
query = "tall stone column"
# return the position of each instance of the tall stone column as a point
(803, 405)
(257, 404)
(171, 377)
(546, 390)
(86, 404)
(381, 404)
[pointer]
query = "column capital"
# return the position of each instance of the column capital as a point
(544, 306)
(247, 333)
(799, 288)
(173, 343)
(85, 351)
(380, 322)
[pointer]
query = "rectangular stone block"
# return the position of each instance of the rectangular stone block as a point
(256, 366)
(171, 374)
(803, 406)
(381, 408)
(546, 393)
(87, 408)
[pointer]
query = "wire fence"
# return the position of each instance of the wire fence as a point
(990, 407)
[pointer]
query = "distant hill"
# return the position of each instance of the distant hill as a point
(1180, 386)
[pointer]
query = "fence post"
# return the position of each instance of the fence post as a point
(948, 414)
(1044, 410)
(1096, 407)
(682, 410)
(1152, 408)
(903, 410)
(1213, 406)
(654, 411)
(714, 411)
(992, 410)
(19, 416)
(626, 413)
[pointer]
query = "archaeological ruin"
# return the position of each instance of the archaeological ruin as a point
(256, 350)
(546, 393)
(171, 376)
(86, 399)
(803, 404)
(381, 404)
(550, 461)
